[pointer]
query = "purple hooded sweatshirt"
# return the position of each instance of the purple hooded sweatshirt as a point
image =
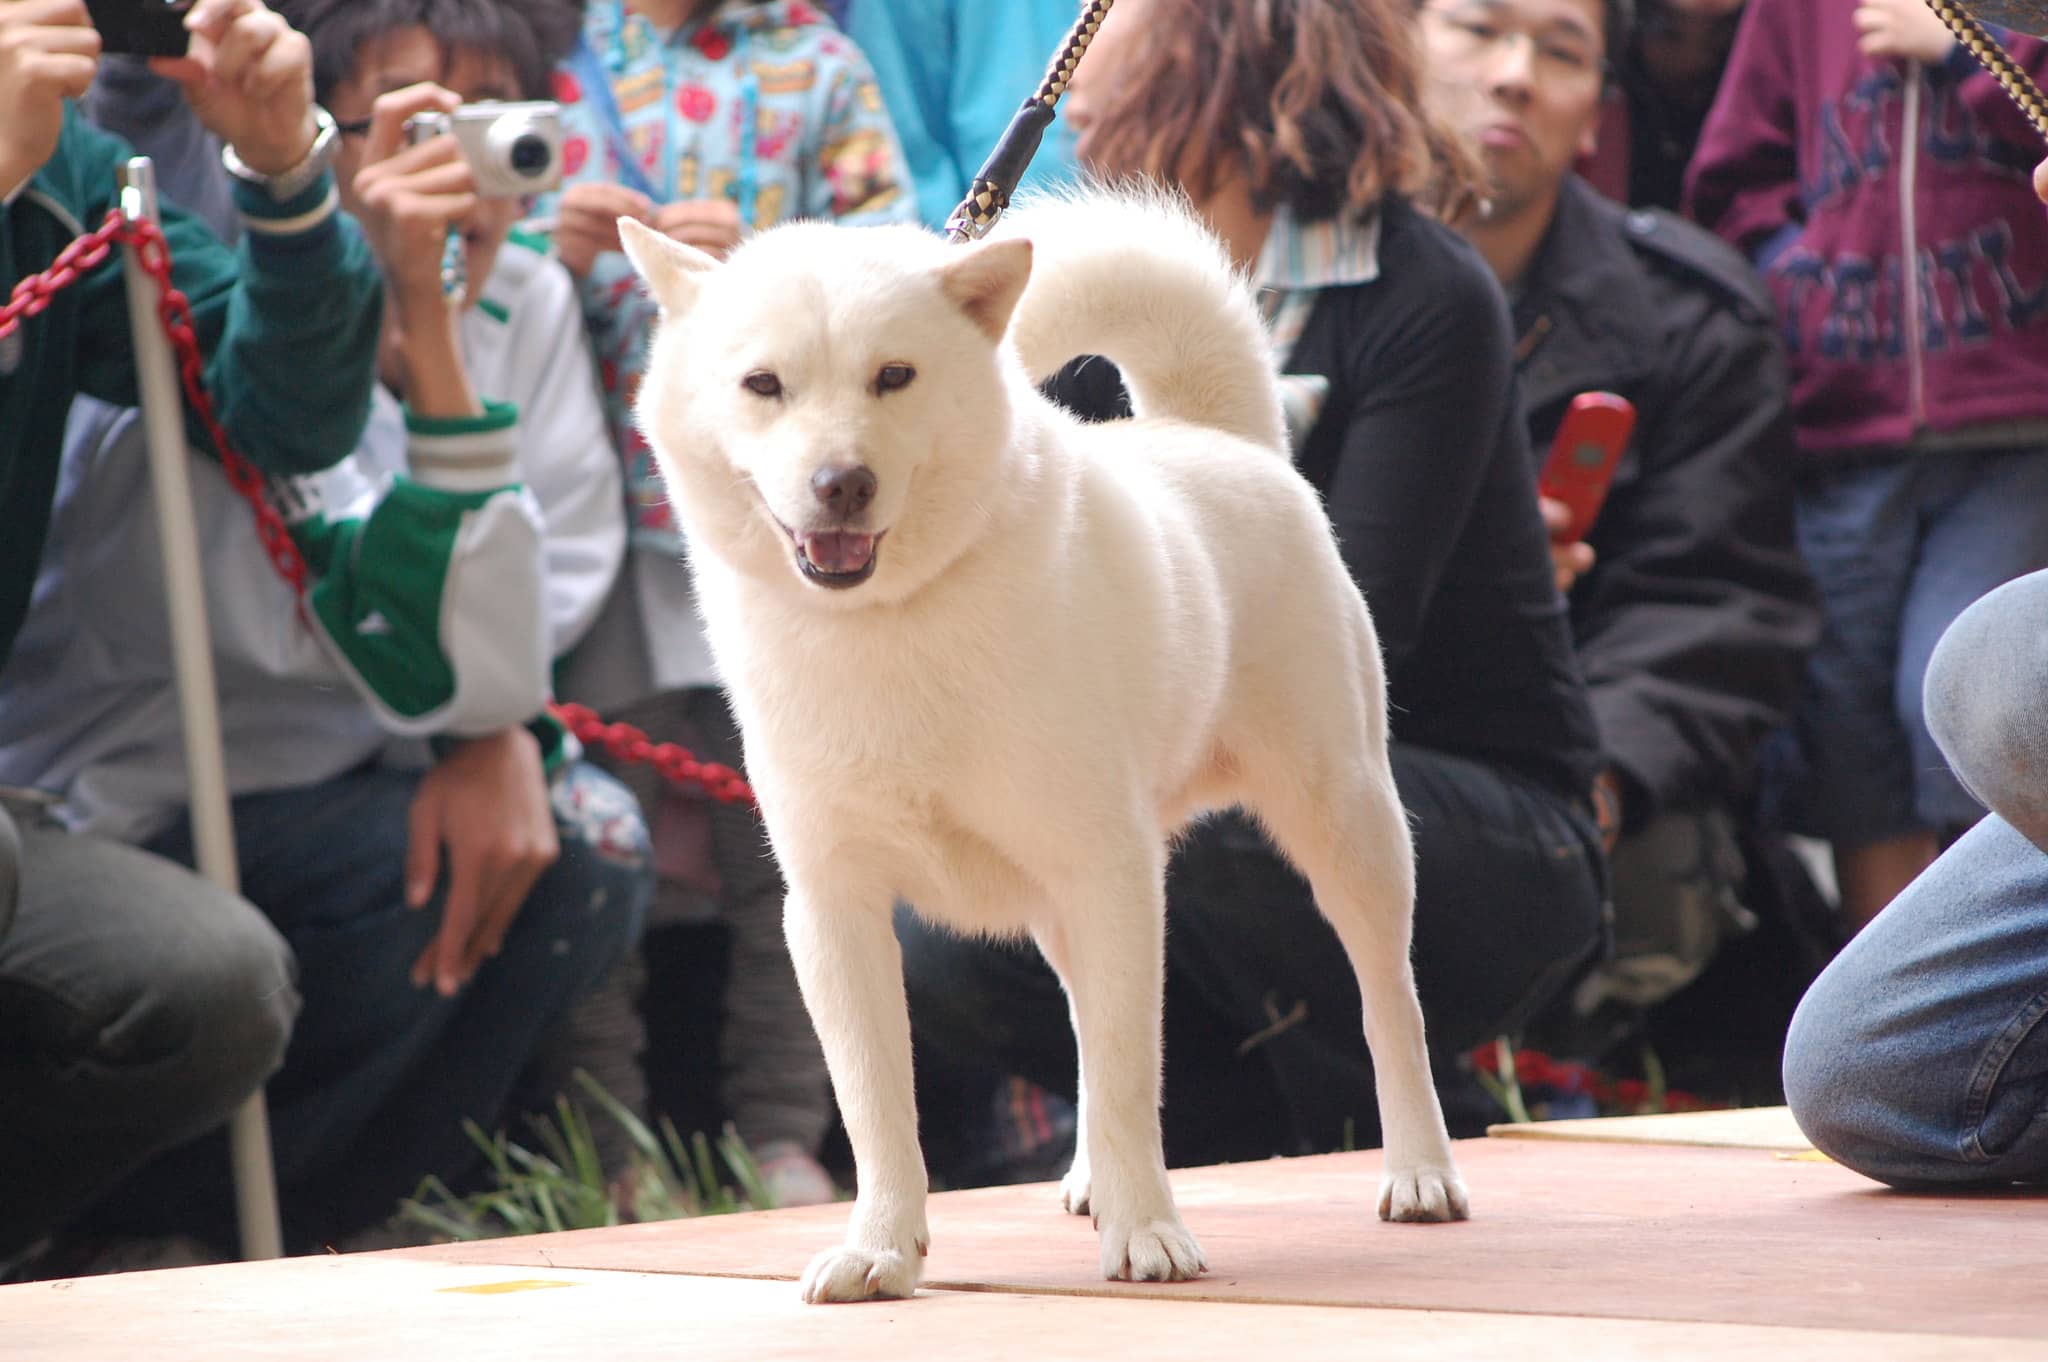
(1890, 205)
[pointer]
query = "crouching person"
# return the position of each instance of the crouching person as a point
(450, 876)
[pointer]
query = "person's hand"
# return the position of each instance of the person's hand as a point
(711, 225)
(1570, 561)
(409, 196)
(249, 77)
(486, 805)
(2041, 181)
(1608, 813)
(49, 51)
(1906, 29)
(589, 221)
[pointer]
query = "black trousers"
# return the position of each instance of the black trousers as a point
(1264, 1047)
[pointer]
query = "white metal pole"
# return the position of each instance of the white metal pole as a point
(213, 830)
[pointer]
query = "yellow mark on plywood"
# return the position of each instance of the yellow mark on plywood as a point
(501, 1288)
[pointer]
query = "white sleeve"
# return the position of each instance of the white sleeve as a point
(565, 455)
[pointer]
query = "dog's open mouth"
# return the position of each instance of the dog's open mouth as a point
(836, 558)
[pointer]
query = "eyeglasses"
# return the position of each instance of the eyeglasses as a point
(1475, 32)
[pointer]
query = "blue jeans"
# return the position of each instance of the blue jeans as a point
(139, 1005)
(1898, 550)
(380, 1075)
(1920, 1055)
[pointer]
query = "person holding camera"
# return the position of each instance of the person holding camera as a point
(139, 1005)
(447, 902)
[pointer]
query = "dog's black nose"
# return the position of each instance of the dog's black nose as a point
(844, 491)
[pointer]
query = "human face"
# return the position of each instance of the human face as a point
(1683, 45)
(1523, 79)
(411, 56)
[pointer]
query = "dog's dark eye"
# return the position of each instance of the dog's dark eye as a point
(761, 383)
(893, 377)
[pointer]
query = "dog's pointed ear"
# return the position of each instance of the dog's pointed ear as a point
(986, 281)
(669, 267)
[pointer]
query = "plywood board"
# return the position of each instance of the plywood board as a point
(1749, 1128)
(371, 1308)
(1615, 1231)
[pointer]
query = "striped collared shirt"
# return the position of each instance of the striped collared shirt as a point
(1298, 261)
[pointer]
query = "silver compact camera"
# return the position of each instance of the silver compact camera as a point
(512, 148)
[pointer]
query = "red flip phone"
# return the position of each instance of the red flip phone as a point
(1583, 456)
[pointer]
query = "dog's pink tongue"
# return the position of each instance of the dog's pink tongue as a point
(839, 551)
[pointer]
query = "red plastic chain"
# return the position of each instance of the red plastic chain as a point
(29, 297)
(1534, 1069)
(676, 764)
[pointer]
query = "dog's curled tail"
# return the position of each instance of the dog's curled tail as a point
(1134, 275)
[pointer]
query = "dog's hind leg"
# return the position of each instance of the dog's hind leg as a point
(1051, 939)
(1348, 834)
(851, 971)
(1108, 947)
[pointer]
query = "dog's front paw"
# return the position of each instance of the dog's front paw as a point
(851, 1274)
(1422, 1194)
(1074, 1187)
(1155, 1251)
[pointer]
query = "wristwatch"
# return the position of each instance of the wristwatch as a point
(289, 184)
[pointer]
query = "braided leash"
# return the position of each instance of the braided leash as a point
(997, 179)
(1993, 58)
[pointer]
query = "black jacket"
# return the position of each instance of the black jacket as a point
(1694, 624)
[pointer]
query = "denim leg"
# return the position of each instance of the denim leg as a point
(1919, 1057)
(1983, 528)
(1846, 774)
(139, 1006)
(380, 1075)
(1983, 697)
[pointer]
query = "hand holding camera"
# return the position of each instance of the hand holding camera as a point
(249, 76)
(410, 196)
(48, 53)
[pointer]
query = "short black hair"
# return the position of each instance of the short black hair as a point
(531, 35)
(1618, 19)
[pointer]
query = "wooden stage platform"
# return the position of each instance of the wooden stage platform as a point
(1665, 1237)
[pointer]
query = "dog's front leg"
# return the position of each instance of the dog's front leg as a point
(1109, 948)
(851, 972)
(1074, 1187)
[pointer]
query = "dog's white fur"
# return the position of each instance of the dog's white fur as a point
(1075, 639)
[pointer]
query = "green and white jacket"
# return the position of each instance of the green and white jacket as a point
(452, 563)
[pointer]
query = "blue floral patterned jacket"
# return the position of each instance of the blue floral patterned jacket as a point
(764, 102)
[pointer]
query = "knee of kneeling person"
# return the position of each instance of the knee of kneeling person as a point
(1983, 697)
(229, 1015)
(1839, 1086)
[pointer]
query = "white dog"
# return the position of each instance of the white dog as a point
(989, 659)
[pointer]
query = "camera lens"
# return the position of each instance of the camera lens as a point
(530, 154)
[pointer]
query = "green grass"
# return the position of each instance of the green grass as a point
(560, 1183)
